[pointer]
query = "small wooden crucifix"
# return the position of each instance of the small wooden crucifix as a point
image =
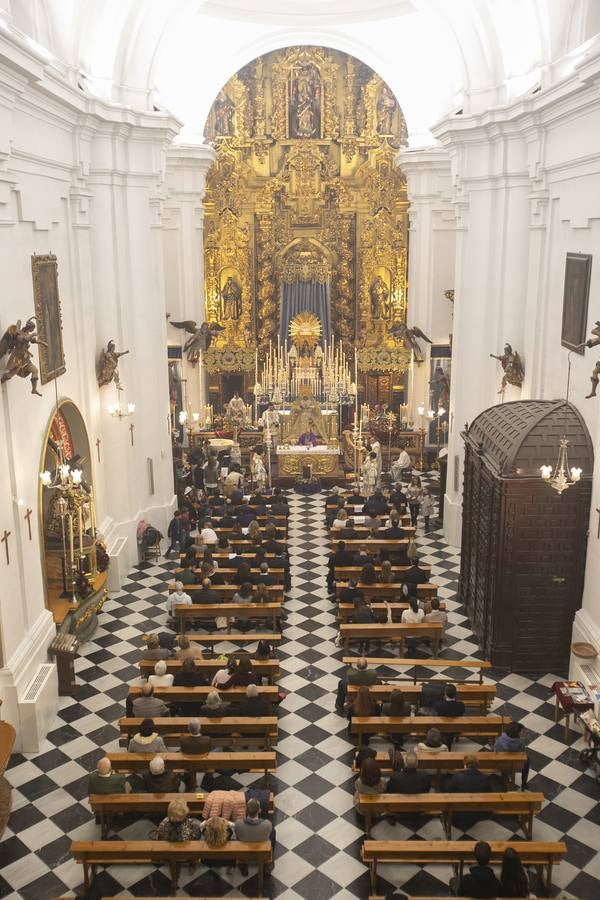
(131, 427)
(27, 516)
(4, 540)
(98, 442)
(598, 511)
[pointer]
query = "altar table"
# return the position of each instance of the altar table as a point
(323, 459)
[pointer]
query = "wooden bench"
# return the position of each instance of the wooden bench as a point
(448, 761)
(109, 805)
(471, 694)
(346, 572)
(390, 545)
(225, 761)
(267, 668)
(278, 572)
(275, 591)
(425, 591)
(457, 853)
(237, 730)
(468, 726)
(242, 611)
(345, 611)
(249, 637)
(394, 632)
(182, 694)
(393, 662)
(364, 532)
(92, 854)
(521, 804)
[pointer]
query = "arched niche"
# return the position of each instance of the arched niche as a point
(66, 430)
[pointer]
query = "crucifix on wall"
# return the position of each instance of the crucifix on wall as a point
(4, 540)
(27, 517)
(598, 511)
(98, 442)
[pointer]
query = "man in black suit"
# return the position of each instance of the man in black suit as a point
(480, 881)
(393, 530)
(257, 502)
(451, 707)
(350, 593)
(398, 497)
(376, 505)
(245, 514)
(409, 780)
(415, 575)
(279, 505)
(227, 519)
(469, 781)
(355, 498)
(349, 533)
(341, 557)
(265, 577)
(206, 593)
(363, 557)
(271, 544)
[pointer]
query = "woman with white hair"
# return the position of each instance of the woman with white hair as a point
(161, 678)
(178, 598)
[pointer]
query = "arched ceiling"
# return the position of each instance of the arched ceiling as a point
(437, 55)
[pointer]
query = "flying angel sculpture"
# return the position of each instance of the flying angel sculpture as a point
(201, 337)
(408, 336)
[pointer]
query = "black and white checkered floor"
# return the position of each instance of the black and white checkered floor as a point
(318, 836)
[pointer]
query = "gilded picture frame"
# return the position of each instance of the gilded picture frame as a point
(44, 270)
(578, 270)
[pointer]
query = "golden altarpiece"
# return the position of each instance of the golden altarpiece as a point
(305, 189)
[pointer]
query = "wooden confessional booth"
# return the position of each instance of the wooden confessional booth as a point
(524, 544)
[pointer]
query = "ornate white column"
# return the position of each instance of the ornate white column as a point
(431, 257)
(183, 249)
(491, 196)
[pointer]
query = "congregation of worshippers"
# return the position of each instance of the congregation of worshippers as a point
(198, 715)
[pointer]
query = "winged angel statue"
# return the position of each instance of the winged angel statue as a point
(401, 332)
(15, 341)
(201, 338)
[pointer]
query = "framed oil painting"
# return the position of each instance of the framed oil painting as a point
(44, 270)
(578, 270)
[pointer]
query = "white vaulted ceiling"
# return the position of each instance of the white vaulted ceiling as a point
(437, 55)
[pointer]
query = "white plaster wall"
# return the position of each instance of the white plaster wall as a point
(83, 180)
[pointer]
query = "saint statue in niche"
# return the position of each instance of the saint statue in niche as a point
(380, 296)
(304, 107)
(224, 112)
(232, 299)
(386, 107)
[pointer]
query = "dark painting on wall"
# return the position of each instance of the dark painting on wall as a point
(44, 270)
(578, 270)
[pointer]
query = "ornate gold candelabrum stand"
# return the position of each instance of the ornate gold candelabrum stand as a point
(390, 423)
(267, 439)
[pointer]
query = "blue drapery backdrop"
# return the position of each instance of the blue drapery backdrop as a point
(301, 296)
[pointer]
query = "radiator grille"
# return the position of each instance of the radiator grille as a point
(36, 684)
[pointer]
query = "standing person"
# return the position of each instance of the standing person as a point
(376, 449)
(271, 417)
(258, 471)
(370, 473)
(211, 476)
(414, 493)
(426, 508)
(174, 531)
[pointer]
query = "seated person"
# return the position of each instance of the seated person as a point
(178, 825)
(214, 707)
(372, 521)
(470, 781)
(195, 741)
(279, 505)
(153, 649)
(178, 598)
(147, 706)
(368, 575)
(450, 706)
(511, 741)
(413, 615)
(160, 678)
(386, 576)
(358, 674)
(189, 675)
(265, 576)
(147, 740)
(513, 876)
(188, 575)
(396, 705)
(270, 543)
(480, 882)
(362, 614)
(363, 557)
(206, 595)
(158, 780)
(350, 593)
(187, 649)
(252, 828)
(254, 704)
(244, 594)
(415, 575)
(340, 520)
(432, 743)
(241, 675)
(376, 505)
(409, 780)
(105, 781)
(436, 615)
(393, 530)
(369, 781)
(308, 438)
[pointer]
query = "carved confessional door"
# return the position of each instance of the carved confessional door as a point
(379, 389)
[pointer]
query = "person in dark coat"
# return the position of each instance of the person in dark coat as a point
(254, 704)
(415, 575)
(480, 882)
(409, 780)
(469, 781)
(174, 531)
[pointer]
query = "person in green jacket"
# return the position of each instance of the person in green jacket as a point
(105, 781)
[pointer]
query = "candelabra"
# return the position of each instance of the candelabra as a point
(267, 440)
(390, 423)
(562, 477)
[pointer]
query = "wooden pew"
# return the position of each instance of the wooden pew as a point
(468, 664)
(92, 854)
(468, 726)
(268, 668)
(521, 804)
(345, 611)
(237, 730)
(543, 854)
(381, 592)
(223, 761)
(364, 531)
(231, 695)
(226, 591)
(346, 572)
(394, 632)
(243, 611)
(506, 763)
(228, 573)
(471, 694)
(109, 805)
(249, 637)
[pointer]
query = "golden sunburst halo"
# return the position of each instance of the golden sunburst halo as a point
(305, 330)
